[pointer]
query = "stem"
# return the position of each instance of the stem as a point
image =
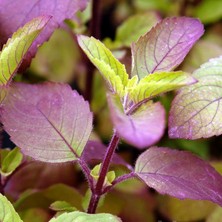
(96, 194)
(119, 180)
(86, 172)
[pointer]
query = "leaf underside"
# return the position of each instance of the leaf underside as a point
(144, 127)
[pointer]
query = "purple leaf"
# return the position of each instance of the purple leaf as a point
(15, 13)
(96, 151)
(142, 128)
(165, 46)
(196, 111)
(179, 174)
(49, 121)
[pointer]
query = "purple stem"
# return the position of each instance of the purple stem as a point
(119, 180)
(96, 194)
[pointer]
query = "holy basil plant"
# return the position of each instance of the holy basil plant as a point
(51, 122)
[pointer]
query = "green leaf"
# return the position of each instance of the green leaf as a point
(78, 216)
(11, 161)
(62, 206)
(135, 26)
(7, 212)
(209, 11)
(196, 111)
(16, 47)
(112, 70)
(159, 82)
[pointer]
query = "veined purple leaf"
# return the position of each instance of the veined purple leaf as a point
(15, 13)
(179, 174)
(165, 46)
(49, 121)
(142, 128)
(196, 111)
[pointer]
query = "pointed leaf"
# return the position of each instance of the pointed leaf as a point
(16, 47)
(165, 46)
(15, 13)
(142, 128)
(11, 161)
(135, 26)
(158, 83)
(49, 122)
(196, 111)
(112, 70)
(7, 211)
(179, 174)
(62, 206)
(82, 217)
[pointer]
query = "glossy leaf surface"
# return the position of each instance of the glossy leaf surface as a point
(49, 122)
(112, 70)
(179, 174)
(142, 128)
(16, 47)
(7, 212)
(165, 46)
(82, 217)
(158, 83)
(196, 111)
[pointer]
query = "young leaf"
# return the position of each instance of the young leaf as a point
(157, 83)
(62, 206)
(15, 13)
(142, 128)
(165, 46)
(196, 111)
(11, 161)
(179, 174)
(135, 26)
(49, 122)
(7, 211)
(81, 217)
(16, 47)
(112, 70)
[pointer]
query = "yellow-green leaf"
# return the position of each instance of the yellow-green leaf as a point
(83, 217)
(112, 70)
(11, 161)
(7, 211)
(159, 82)
(16, 47)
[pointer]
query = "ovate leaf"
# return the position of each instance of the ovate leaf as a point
(135, 26)
(11, 161)
(165, 46)
(16, 47)
(7, 212)
(15, 13)
(179, 174)
(49, 122)
(112, 70)
(196, 111)
(142, 128)
(157, 83)
(78, 216)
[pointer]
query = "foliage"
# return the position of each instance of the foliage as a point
(60, 141)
